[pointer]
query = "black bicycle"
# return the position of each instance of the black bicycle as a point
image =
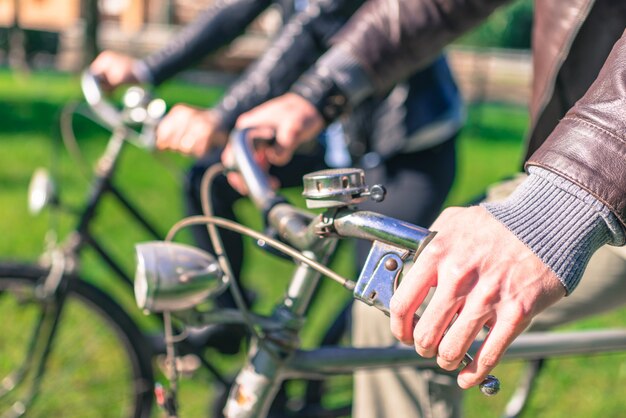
(71, 349)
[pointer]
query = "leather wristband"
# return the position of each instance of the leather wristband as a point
(323, 93)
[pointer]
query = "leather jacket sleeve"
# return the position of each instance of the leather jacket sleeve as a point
(588, 146)
(389, 39)
(301, 42)
(215, 27)
(393, 38)
(384, 43)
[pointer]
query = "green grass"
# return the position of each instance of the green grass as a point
(489, 149)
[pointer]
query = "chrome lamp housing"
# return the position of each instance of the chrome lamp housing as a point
(41, 191)
(175, 277)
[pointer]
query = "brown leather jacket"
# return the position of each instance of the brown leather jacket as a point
(578, 106)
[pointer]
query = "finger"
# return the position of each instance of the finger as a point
(165, 134)
(458, 339)
(162, 135)
(263, 144)
(254, 118)
(186, 143)
(227, 157)
(100, 63)
(489, 354)
(278, 155)
(108, 70)
(453, 286)
(263, 133)
(243, 121)
(286, 143)
(210, 132)
(434, 322)
(274, 183)
(195, 140)
(100, 68)
(117, 75)
(201, 147)
(168, 131)
(408, 297)
(237, 183)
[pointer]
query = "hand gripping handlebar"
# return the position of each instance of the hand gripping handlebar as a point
(394, 241)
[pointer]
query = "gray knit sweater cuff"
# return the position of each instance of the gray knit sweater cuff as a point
(560, 222)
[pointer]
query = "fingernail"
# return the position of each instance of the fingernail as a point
(463, 382)
(447, 365)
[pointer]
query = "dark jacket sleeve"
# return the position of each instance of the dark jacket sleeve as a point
(588, 146)
(388, 39)
(214, 28)
(391, 39)
(301, 42)
(385, 42)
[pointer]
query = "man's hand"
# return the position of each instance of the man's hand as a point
(113, 69)
(483, 274)
(190, 131)
(293, 119)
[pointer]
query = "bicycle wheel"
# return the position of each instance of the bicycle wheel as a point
(97, 365)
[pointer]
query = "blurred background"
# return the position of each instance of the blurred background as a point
(66, 35)
(44, 44)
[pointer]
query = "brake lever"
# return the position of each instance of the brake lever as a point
(377, 283)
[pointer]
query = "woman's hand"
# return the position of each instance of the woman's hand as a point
(113, 70)
(190, 131)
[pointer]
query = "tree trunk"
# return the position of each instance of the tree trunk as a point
(90, 14)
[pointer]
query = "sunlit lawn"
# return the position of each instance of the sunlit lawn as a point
(489, 149)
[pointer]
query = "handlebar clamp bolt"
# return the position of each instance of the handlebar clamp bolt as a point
(391, 264)
(378, 193)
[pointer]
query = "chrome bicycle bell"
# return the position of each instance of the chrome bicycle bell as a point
(338, 187)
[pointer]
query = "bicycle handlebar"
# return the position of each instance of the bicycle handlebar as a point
(94, 96)
(393, 239)
(346, 222)
(138, 109)
(255, 179)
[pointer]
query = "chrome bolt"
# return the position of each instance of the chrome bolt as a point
(391, 264)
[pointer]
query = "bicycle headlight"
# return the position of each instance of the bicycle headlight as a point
(41, 191)
(175, 277)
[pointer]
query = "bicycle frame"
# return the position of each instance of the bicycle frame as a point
(275, 355)
(62, 258)
(103, 185)
(529, 346)
(262, 374)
